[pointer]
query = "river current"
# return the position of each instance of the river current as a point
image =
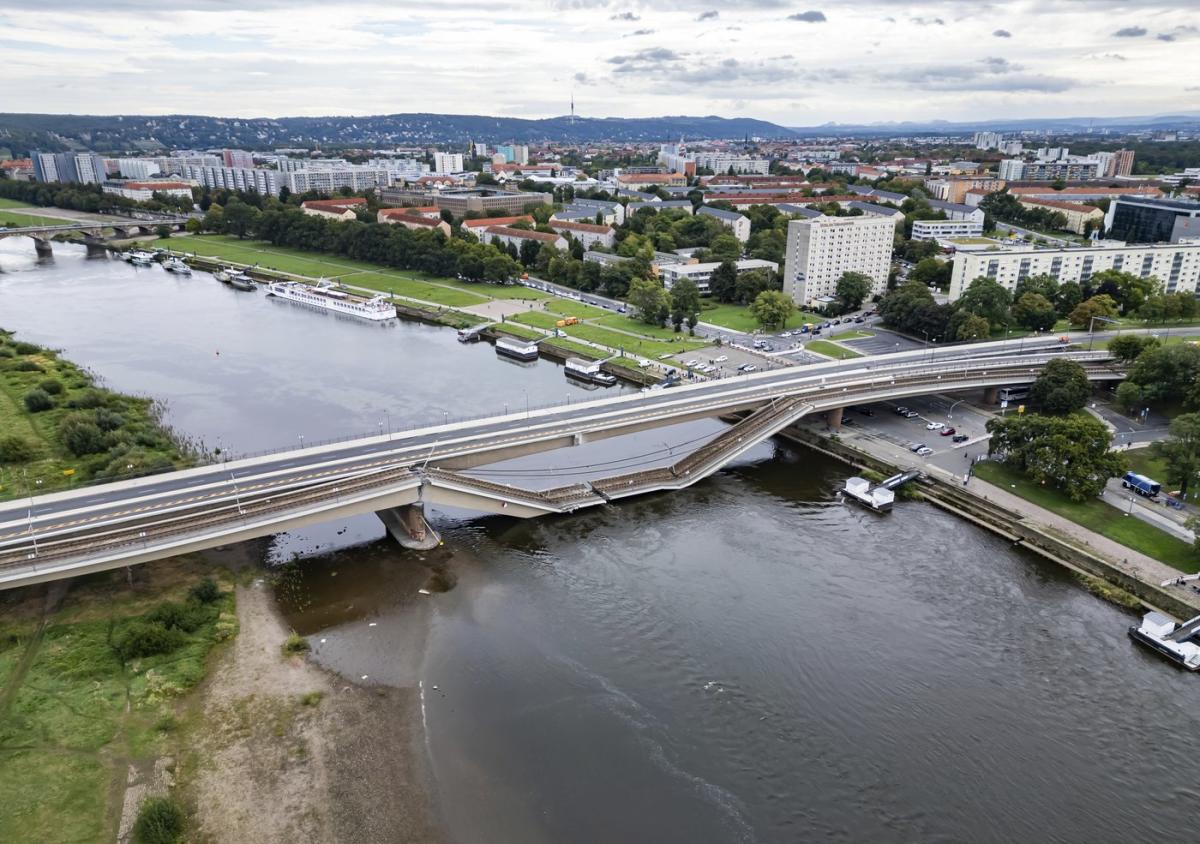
(748, 660)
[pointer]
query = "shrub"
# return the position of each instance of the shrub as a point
(14, 449)
(27, 366)
(140, 638)
(188, 617)
(206, 591)
(38, 400)
(108, 420)
(295, 644)
(81, 436)
(7, 352)
(22, 348)
(311, 698)
(159, 821)
(87, 400)
(51, 386)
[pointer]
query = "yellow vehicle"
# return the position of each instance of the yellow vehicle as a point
(563, 323)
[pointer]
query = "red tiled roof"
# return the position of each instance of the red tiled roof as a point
(343, 204)
(1086, 191)
(1054, 203)
(412, 219)
(17, 164)
(545, 237)
(487, 222)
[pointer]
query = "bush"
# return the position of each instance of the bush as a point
(140, 638)
(82, 437)
(22, 348)
(27, 366)
(108, 420)
(295, 644)
(14, 449)
(188, 617)
(7, 352)
(88, 400)
(311, 698)
(51, 386)
(38, 400)
(206, 591)
(159, 821)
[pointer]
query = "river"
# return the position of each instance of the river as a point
(744, 661)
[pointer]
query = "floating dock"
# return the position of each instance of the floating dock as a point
(880, 497)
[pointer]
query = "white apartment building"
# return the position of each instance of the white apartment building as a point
(701, 274)
(448, 162)
(738, 223)
(588, 234)
(938, 229)
(1176, 265)
(138, 168)
(266, 182)
(821, 248)
(332, 180)
(723, 162)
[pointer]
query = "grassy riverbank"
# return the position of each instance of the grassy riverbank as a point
(739, 318)
(59, 429)
(1096, 516)
(91, 692)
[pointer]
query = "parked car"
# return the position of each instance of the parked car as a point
(749, 367)
(911, 414)
(925, 451)
(917, 447)
(865, 411)
(935, 426)
(692, 362)
(860, 319)
(722, 358)
(947, 432)
(961, 438)
(901, 410)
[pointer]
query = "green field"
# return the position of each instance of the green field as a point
(738, 318)
(824, 347)
(1143, 461)
(632, 345)
(622, 322)
(853, 334)
(1096, 516)
(16, 220)
(538, 319)
(440, 291)
(12, 203)
(569, 307)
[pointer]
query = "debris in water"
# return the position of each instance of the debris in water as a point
(365, 676)
(322, 641)
(372, 624)
(423, 591)
(435, 688)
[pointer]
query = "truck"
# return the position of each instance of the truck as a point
(1141, 484)
(563, 323)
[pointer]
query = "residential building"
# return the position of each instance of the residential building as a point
(1177, 266)
(636, 180)
(879, 210)
(237, 158)
(1067, 169)
(266, 182)
(876, 195)
(337, 209)
(513, 153)
(331, 180)
(724, 162)
(739, 224)
(69, 167)
(585, 210)
(988, 140)
(954, 211)
(480, 223)
(955, 189)
(142, 191)
(448, 162)
(1137, 220)
(410, 219)
(589, 234)
(701, 274)
(820, 249)
(1083, 194)
(1078, 215)
(942, 229)
(138, 168)
(517, 237)
(659, 205)
(458, 201)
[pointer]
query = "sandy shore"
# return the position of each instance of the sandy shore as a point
(273, 763)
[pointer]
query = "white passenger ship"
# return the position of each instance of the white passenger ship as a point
(325, 296)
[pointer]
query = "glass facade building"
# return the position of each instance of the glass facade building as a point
(1152, 220)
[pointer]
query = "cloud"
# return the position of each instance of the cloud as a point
(808, 17)
(625, 16)
(638, 32)
(1002, 33)
(1176, 33)
(652, 57)
(929, 21)
(988, 74)
(709, 15)
(1130, 32)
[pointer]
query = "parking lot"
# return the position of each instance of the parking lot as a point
(882, 343)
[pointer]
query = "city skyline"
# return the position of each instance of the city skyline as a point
(788, 63)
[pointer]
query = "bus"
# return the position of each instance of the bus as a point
(1141, 484)
(1013, 393)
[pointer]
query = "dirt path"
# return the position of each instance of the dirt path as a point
(271, 764)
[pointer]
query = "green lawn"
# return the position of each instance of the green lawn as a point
(852, 335)
(423, 290)
(12, 203)
(569, 307)
(622, 322)
(510, 327)
(824, 347)
(15, 220)
(1096, 516)
(632, 345)
(738, 318)
(1143, 461)
(536, 318)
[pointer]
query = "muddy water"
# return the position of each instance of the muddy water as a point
(748, 660)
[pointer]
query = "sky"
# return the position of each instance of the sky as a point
(794, 63)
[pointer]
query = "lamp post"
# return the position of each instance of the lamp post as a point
(301, 440)
(1092, 327)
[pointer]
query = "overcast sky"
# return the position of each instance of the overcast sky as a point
(796, 64)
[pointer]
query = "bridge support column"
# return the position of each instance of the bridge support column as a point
(96, 248)
(43, 248)
(991, 395)
(833, 419)
(407, 526)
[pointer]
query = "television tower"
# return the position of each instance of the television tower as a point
(572, 108)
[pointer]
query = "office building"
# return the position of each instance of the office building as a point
(1137, 220)
(942, 229)
(820, 249)
(448, 162)
(1177, 266)
(701, 274)
(458, 201)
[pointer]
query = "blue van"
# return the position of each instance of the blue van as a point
(1141, 484)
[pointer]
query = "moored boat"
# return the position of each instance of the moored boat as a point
(141, 259)
(1177, 642)
(177, 265)
(326, 297)
(589, 371)
(511, 347)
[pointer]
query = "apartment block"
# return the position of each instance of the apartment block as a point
(820, 249)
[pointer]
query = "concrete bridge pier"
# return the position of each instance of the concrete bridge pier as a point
(43, 248)
(991, 395)
(407, 526)
(833, 419)
(96, 247)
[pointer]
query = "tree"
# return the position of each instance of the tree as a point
(1181, 450)
(685, 303)
(1044, 284)
(723, 283)
(900, 307)
(1035, 312)
(987, 298)
(16, 449)
(750, 284)
(163, 230)
(1071, 453)
(1129, 291)
(650, 300)
(973, 327)
(239, 217)
(1129, 396)
(1166, 373)
(1069, 295)
(1127, 347)
(1101, 306)
(772, 308)
(1061, 387)
(725, 247)
(931, 272)
(853, 288)
(37, 400)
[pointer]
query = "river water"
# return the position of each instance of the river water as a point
(745, 661)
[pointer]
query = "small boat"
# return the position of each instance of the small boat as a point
(125, 256)
(589, 372)
(141, 259)
(176, 265)
(222, 275)
(517, 349)
(1177, 642)
(241, 281)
